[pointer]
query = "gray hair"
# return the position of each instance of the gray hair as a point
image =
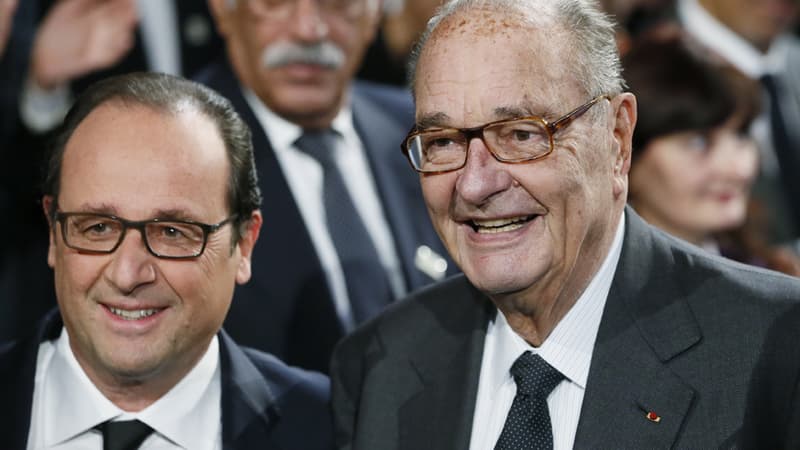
(172, 95)
(590, 32)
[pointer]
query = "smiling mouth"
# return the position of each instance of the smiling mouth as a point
(136, 314)
(500, 225)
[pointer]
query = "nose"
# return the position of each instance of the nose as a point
(308, 22)
(482, 176)
(132, 265)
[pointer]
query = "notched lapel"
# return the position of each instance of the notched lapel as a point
(439, 415)
(249, 411)
(646, 324)
(441, 412)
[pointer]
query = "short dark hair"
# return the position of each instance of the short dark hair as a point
(169, 94)
(679, 87)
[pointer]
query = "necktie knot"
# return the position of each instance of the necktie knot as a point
(319, 144)
(124, 434)
(534, 376)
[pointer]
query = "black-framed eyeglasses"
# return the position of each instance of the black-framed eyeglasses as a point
(516, 140)
(164, 238)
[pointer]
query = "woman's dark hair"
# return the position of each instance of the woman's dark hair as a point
(678, 89)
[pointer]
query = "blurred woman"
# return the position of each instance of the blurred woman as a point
(693, 164)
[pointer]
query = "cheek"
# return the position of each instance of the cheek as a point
(438, 191)
(76, 274)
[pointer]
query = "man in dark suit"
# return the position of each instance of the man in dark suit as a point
(290, 75)
(575, 325)
(153, 205)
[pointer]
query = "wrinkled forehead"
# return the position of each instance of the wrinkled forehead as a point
(489, 65)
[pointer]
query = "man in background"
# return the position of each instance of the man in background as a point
(348, 229)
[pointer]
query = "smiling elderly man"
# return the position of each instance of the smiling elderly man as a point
(575, 325)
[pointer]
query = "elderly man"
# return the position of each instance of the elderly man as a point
(152, 200)
(575, 325)
(756, 37)
(348, 227)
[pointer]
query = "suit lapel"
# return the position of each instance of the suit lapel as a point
(17, 376)
(249, 410)
(440, 408)
(646, 323)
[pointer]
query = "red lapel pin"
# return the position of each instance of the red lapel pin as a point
(653, 417)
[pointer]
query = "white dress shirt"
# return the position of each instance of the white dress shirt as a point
(304, 175)
(67, 405)
(568, 349)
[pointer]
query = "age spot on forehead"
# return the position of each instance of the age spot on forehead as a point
(481, 22)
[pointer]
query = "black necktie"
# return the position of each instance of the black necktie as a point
(124, 434)
(785, 150)
(367, 283)
(528, 423)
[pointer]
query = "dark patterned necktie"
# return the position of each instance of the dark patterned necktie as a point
(367, 283)
(124, 434)
(528, 423)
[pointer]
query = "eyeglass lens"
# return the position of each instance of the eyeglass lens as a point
(96, 233)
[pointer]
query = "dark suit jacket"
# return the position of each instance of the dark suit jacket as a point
(265, 404)
(679, 336)
(287, 309)
(772, 419)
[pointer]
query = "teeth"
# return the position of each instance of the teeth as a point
(133, 315)
(500, 225)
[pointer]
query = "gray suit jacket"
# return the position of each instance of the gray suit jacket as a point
(679, 336)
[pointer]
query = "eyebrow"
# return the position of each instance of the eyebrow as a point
(434, 120)
(163, 214)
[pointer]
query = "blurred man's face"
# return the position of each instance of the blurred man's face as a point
(538, 227)
(132, 317)
(757, 21)
(298, 56)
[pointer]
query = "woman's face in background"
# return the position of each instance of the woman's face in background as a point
(695, 183)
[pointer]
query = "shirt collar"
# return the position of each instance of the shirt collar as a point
(80, 406)
(570, 345)
(282, 133)
(729, 45)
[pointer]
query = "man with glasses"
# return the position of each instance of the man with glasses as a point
(348, 228)
(575, 325)
(153, 205)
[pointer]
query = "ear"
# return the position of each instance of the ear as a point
(47, 204)
(221, 11)
(246, 243)
(624, 108)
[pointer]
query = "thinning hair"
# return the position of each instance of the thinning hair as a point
(589, 32)
(170, 95)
